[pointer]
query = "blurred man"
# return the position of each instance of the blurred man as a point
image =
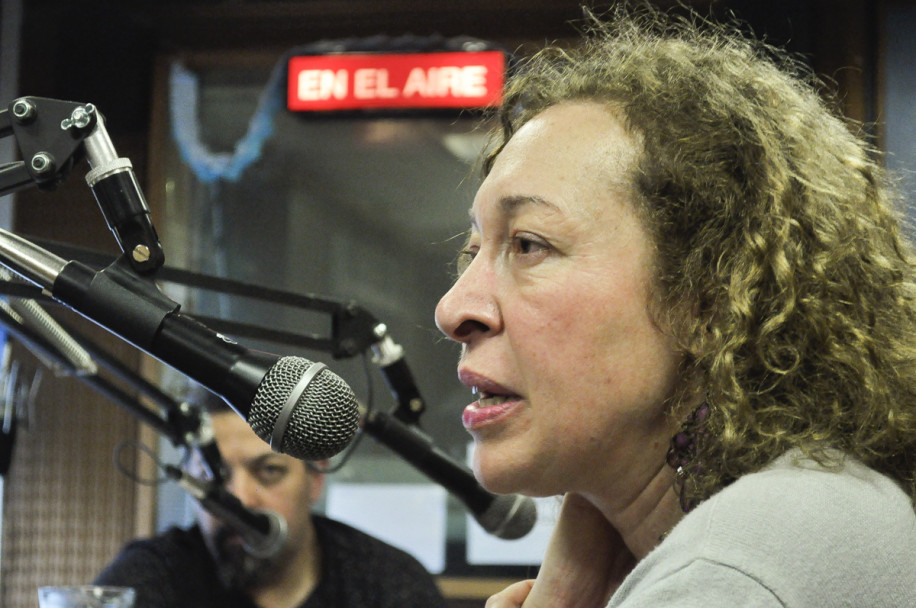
(322, 563)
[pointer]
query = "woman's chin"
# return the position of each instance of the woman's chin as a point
(507, 475)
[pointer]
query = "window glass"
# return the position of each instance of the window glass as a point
(365, 208)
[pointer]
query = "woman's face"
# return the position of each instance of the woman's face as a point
(571, 374)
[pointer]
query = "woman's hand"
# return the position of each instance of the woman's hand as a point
(512, 596)
(586, 561)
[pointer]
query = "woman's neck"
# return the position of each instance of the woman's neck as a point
(649, 516)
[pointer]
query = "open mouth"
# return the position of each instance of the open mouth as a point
(488, 409)
(485, 399)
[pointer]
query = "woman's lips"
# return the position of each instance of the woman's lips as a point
(494, 402)
(489, 410)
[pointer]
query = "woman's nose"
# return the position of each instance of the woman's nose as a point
(469, 309)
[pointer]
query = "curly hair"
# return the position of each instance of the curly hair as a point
(781, 267)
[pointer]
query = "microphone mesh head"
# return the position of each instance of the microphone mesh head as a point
(323, 420)
(509, 517)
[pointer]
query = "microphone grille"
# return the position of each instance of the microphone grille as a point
(321, 423)
(509, 517)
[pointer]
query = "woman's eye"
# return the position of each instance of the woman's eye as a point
(526, 244)
(465, 257)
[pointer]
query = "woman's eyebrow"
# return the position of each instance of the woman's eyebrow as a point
(513, 204)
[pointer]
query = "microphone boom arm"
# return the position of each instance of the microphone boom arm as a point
(53, 135)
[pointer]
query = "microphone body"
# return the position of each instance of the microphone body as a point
(299, 407)
(313, 420)
(262, 532)
(505, 516)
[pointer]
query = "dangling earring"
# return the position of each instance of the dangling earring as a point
(682, 453)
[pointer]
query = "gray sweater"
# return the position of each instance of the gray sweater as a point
(793, 535)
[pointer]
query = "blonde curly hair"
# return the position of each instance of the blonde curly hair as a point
(781, 268)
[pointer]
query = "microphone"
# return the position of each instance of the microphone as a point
(262, 532)
(299, 407)
(507, 516)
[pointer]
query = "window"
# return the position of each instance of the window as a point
(367, 208)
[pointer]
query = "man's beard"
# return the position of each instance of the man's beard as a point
(235, 567)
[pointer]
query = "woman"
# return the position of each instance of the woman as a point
(685, 303)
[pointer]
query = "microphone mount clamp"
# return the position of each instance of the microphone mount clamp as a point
(53, 136)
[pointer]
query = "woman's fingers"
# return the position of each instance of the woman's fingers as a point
(512, 596)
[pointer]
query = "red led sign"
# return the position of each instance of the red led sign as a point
(399, 80)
